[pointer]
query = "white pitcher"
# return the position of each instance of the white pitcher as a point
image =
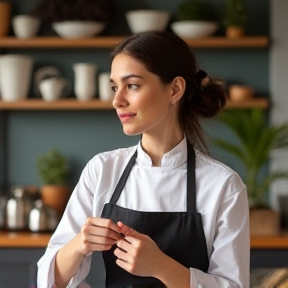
(15, 75)
(85, 80)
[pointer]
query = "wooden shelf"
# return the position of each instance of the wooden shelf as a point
(65, 104)
(251, 103)
(112, 41)
(73, 104)
(36, 240)
(269, 242)
(23, 240)
(223, 42)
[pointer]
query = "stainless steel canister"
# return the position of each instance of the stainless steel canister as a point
(42, 218)
(18, 209)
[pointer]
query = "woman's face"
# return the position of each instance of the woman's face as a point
(141, 100)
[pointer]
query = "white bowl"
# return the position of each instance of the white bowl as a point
(194, 29)
(78, 29)
(147, 20)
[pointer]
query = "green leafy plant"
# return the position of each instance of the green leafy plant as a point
(199, 10)
(53, 168)
(256, 141)
(235, 14)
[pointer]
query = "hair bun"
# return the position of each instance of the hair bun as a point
(211, 99)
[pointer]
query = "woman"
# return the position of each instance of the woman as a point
(163, 213)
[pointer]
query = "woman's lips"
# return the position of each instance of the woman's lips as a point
(126, 116)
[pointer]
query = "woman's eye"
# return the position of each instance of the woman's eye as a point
(114, 88)
(133, 86)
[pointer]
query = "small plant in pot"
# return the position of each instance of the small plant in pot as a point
(53, 170)
(195, 18)
(256, 140)
(235, 18)
(75, 18)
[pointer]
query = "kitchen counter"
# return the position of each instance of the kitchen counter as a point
(38, 240)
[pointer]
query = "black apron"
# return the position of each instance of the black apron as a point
(179, 235)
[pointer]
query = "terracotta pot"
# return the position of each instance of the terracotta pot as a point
(5, 16)
(235, 32)
(238, 93)
(264, 222)
(55, 196)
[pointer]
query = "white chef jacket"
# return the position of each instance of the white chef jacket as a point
(220, 195)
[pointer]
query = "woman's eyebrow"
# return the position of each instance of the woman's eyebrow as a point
(127, 77)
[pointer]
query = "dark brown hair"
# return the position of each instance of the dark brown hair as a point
(168, 56)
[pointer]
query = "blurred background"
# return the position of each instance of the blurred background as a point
(37, 128)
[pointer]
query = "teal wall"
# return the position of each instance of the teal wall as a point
(82, 134)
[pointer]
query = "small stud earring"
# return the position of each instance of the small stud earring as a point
(172, 102)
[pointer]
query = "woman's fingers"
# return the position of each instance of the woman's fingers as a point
(91, 231)
(102, 222)
(96, 247)
(124, 229)
(98, 234)
(120, 254)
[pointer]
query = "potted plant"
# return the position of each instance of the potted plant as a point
(53, 170)
(195, 18)
(256, 140)
(235, 18)
(75, 18)
(146, 19)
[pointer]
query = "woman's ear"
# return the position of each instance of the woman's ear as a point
(178, 89)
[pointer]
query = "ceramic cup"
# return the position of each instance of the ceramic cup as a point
(105, 91)
(54, 88)
(25, 26)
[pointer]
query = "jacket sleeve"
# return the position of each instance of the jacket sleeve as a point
(79, 207)
(229, 264)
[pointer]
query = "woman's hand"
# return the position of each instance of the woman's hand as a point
(97, 234)
(138, 253)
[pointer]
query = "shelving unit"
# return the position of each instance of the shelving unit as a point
(74, 104)
(112, 41)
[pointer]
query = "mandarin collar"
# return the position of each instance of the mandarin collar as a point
(170, 160)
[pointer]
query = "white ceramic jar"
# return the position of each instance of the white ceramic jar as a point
(85, 80)
(25, 26)
(105, 91)
(15, 76)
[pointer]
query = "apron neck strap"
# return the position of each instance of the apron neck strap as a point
(123, 179)
(191, 183)
(191, 187)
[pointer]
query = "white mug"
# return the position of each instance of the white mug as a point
(25, 26)
(54, 88)
(105, 91)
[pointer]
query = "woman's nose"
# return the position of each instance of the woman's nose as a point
(119, 100)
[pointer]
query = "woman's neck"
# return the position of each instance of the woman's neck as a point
(157, 146)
